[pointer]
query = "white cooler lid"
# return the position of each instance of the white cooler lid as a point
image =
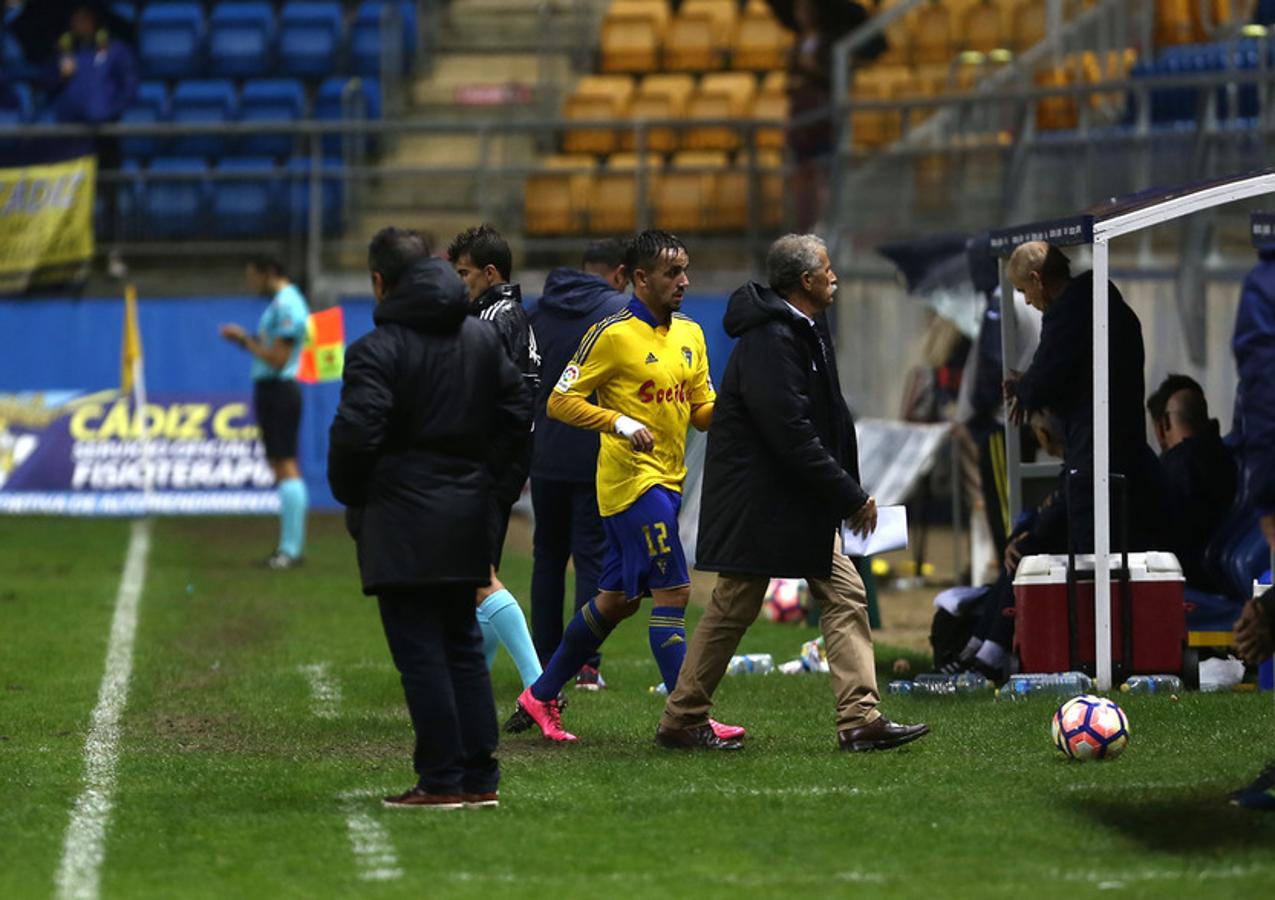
(1153, 565)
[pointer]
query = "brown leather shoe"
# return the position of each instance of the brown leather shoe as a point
(699, 737)
(417, 798)
(881, 734)
(488, 800)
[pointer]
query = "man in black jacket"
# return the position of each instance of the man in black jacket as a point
(781, 473)
(482, 259)
(431, 409)
(564, 462)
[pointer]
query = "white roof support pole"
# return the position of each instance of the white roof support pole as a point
(1101, 465)
(1009, 355)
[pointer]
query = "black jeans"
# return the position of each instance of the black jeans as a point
(567, 527)
(437, 647)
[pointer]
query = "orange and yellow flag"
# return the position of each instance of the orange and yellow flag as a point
(323, 356)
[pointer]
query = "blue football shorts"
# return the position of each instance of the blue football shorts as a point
(644, 551)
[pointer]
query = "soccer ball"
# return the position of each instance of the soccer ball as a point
(1089, 727)
(785, 600)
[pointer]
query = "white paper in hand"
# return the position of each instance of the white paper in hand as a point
(891, 534)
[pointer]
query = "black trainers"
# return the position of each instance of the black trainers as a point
(699, 737)
(280, 560)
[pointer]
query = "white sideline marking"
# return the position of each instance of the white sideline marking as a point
(80, 874)
(325, 691)
(373, 849)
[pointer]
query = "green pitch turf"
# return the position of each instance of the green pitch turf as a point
(233, 781)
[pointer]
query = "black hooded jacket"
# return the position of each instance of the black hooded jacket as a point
(501, 305)
(431, 408)
(782, 468)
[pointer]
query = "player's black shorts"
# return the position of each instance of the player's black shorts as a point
(497, 528)
(277, 403)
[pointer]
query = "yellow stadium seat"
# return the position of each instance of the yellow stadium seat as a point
(721, 95)
(876, 127)
(722, 13)
(630, 43)
(1030, 22)
(684, 197)
(1176, 22)
(1054, 113)
(691, 44)
(657, 12)
(555, 200)
(932, 33)
(760, 42)
(613, 203)
(983, 28)
(731, 209)
(596, 98)
(770, 106)
(660, 97)
(775, 83)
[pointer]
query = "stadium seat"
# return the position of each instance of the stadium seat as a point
(732, 204)
(983, 28)
(203, 101)
(876, 127)
(149, 106)
(331, 194)
(630, 43)
(347, 98)
(760, 42)
(597, 98)
(721, 95)
(932, 33)
(374, 21)
(770, 105)
(249, 204)
(684, 195)
(556, 199)
(1030, 22)
(659, 97)
(691, 44)
(613, 204)
(170, 40)
(175, 207)
(241, 39)
(271, 100)
(310, 38)
(1056, 112)
(657, 12)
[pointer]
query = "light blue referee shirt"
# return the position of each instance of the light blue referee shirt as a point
(285, 317)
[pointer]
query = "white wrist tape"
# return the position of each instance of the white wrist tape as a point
(628, 427)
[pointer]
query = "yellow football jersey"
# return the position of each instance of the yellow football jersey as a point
(654, 374)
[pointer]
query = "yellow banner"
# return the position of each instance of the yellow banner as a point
(46, 223)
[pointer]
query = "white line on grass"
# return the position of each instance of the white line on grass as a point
(325, 691)
(80, 875)
(373, 849)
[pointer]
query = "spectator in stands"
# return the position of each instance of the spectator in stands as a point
(1253, 344)
(1060, 378)
(819, 25)
(564, 460)
(1198, 467)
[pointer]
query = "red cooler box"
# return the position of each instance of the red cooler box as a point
(1043, 631)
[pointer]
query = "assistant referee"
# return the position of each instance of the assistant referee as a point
(276, 398)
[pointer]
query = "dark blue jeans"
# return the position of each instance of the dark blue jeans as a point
(568, 527)
(438, 651)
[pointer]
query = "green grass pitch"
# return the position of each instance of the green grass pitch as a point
(232, 782)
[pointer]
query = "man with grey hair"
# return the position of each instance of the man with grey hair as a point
(781, 474)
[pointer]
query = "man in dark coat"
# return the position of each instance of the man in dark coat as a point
(484, 262)
(1060, 379)
(564, 461)
(1198, 467)
(431, 408)
(780, 475)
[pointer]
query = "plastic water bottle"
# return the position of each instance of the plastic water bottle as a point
(751, 664)
(960, 683)
(901, 687)
(1020, 687)
(1152, 684)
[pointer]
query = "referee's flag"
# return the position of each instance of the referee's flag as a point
(131, 349)
(323, 356)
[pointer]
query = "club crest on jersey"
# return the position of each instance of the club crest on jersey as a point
(650, 358)
(688, 356)
(569, 377)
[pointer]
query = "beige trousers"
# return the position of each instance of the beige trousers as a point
(734, 606)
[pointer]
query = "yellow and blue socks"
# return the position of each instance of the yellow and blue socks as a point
(293, 501)
(583, 636)
(668, 641)
(502, 621)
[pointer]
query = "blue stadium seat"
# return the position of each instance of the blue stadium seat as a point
(366, 45)
(271, 100)
(250, 204)
(175, 207)
(241, 39)
(203, 101)
(170, 39)
(310, 38)
(126, 11)
(151, 105)
(299, 195)
(340, 97)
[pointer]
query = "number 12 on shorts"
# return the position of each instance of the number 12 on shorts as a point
(657, 539)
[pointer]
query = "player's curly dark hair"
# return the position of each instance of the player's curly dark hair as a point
(485, 247)
(644, 250)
